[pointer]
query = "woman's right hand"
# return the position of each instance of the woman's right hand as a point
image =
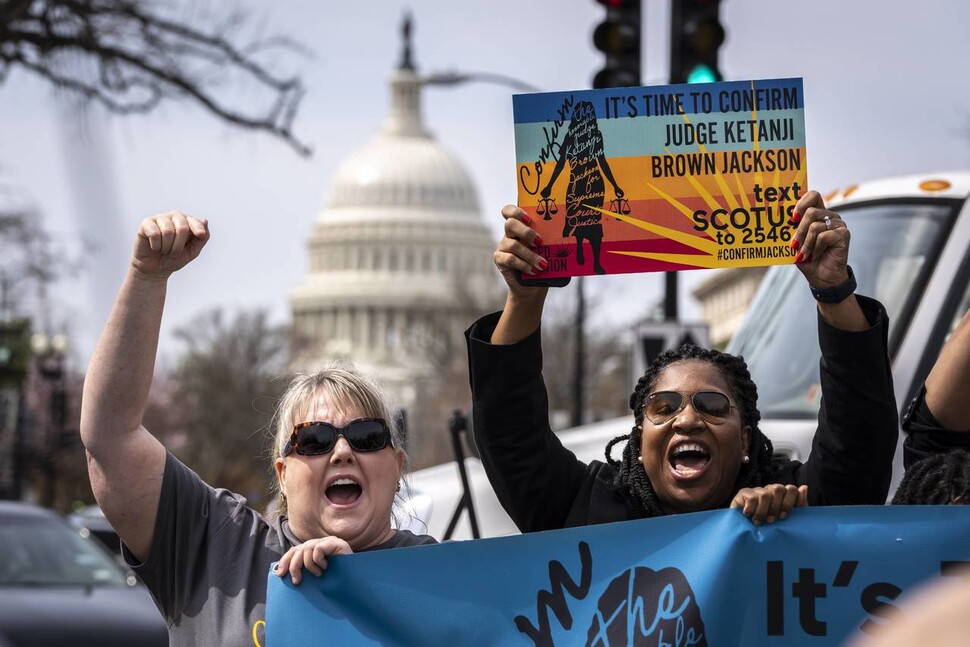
(166, 243)
(311, 555)
(516, 252)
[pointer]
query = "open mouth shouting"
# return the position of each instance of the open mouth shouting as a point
(688, 459)
(344, 490)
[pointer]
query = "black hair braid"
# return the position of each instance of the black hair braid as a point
(936, 479)
(631, 481)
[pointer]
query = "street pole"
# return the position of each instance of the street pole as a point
(579, 393)
(670, 296)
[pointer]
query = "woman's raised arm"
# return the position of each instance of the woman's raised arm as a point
(125, 462)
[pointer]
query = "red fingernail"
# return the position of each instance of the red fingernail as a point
(795, 243)
(526, 220)
(795, 217)
(537, 240)
(543, 264)
(798, 258)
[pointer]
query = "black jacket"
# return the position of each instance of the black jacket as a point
(925, 435)
(543, 486)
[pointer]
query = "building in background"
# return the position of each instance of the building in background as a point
(400, 263)
(724, 299)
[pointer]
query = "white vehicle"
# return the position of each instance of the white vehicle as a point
(910, 250)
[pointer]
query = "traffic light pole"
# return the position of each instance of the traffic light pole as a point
(696, 35)
(670, 296)
(579, 391)
(619, 37)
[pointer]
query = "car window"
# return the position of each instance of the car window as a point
(44, 552)
(960, 311)
(894, 247)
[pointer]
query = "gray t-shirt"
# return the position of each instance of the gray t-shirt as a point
(210, 558)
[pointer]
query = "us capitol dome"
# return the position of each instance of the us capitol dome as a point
(400, 259)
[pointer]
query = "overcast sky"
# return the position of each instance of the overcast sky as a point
(885, 85)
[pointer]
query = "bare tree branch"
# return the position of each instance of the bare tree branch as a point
(130, 58)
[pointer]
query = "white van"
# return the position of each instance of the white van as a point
(910, 250)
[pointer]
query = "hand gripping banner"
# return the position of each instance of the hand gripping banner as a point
(709, 579)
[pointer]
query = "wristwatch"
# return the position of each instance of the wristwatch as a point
(838, 293)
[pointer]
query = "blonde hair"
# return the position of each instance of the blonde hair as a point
(347, 391)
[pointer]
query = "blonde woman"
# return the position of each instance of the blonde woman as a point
(202, 552)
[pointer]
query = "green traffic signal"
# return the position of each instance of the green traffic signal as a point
(703, 74)
(696, 36)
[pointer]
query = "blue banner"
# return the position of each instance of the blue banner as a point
(708, 579)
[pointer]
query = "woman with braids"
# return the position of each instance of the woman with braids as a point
(935, 453)
(695, 443)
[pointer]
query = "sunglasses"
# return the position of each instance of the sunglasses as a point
(316, 438)
(712, 406)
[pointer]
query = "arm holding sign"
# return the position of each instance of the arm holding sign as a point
(515, 253)
(534, 477)
(851, 458)
(822, 241)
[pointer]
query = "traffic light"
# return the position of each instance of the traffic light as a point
(618, 37)
(696, 34)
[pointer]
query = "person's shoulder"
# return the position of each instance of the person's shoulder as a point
(600, 470)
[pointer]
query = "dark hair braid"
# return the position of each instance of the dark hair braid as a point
(631, 481)
(936, 479)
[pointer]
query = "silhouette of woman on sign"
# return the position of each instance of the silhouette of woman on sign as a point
(583, 147)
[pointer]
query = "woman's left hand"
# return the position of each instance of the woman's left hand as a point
(771, 502)
(311, 555)
(822, 241)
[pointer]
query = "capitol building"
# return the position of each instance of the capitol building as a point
(400, 263)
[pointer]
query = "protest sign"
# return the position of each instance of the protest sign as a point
(708, 578)
(661, 178)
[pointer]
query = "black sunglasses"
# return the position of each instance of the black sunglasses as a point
(316, 438)
(712, 406)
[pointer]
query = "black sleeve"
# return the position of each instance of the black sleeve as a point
(852, 452)
(535, 478)
(925, 435)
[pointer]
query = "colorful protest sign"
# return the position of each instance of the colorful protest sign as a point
(708, 579)
(661, 178)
